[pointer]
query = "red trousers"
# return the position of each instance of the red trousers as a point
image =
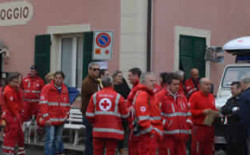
(143, 145)
(171, 146)
(30, 108)
(101, 143)
(202, 140)
(13, 135)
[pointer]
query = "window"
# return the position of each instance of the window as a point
(236, 73)
(192, 52)
(71, 51)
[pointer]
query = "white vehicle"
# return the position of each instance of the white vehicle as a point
(239, 47)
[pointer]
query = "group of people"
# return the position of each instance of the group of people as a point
(23, 99)
(160, 118)
(148, 119)
(237, 119)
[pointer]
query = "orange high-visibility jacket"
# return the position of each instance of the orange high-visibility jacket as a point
(54, 105)
(175, 112)
(199, 102)
(132, 94)
(12, 103)
(191, 87)
(105, 111)
(32, 88)
(146, 116)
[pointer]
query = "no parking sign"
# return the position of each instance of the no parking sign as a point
(102, 45)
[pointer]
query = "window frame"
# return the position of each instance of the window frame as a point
(74, 38)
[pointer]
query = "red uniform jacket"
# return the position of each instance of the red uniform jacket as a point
(146, 116)
(32, 88)
(105, 111)
(199, 102)
(2, 104)
(191, 87)
(54, 105)
(132, 94)
(182, 88)
(12, 103)
(157, 89)
(174, 110)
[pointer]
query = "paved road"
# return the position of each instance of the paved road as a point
(31, 151)
(39, 151)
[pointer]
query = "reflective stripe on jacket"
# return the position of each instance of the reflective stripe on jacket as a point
(32, 88)
(191, 87)
(176, 115)
(13, 104)
(54, 106)
(105, 111)
(147, 117)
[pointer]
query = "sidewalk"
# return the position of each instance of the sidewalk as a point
(38, 149)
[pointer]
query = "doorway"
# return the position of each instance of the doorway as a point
(191, 55)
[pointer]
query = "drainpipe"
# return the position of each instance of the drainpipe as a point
(149, 35)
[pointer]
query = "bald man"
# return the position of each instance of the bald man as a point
(202, 104)
(192, 84)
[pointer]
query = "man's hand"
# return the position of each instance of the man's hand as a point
(66, 118)
(3, 123)
(130, 109)
(47, 122)
(206, 111)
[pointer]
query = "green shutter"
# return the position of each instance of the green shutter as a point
(192, 51)
(87, 52)
(42, 54)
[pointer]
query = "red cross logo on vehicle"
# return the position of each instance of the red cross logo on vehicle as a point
(105, 104)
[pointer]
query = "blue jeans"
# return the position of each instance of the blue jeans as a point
(89, 138)
(54, 142)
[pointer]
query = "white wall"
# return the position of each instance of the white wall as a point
(133, 35)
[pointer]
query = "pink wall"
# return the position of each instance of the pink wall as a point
(226, 19)
(101, 15)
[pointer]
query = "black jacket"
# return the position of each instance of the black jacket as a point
(245, 108)
(122, 89)
(235, 131)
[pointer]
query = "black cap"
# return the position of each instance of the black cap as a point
(33, 67)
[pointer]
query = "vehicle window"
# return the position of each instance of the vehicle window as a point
(235, 74)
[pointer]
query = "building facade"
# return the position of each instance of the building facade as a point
(154, 35)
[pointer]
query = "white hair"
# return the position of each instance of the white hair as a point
(180, 73)
(145, 75)
(246, 80)
(92, 64)
(107, 81)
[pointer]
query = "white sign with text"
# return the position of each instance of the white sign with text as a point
(15, 13)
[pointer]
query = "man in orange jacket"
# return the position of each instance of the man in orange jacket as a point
(32, 86)
(12, 115)
(105, 111)
(134, 78)
(54, 109)
(192, 84)
(147, 123)
(202, 105)
(177, 122)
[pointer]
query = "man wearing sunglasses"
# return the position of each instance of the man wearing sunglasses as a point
(90, 85)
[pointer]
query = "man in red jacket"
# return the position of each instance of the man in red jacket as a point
(54, 109)
(177, 122)
(12, 115)
(202, 105)
(134, 79)
(105, 111)
(192, 84)
(134, 75)
(32, 86)
(147, 123)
